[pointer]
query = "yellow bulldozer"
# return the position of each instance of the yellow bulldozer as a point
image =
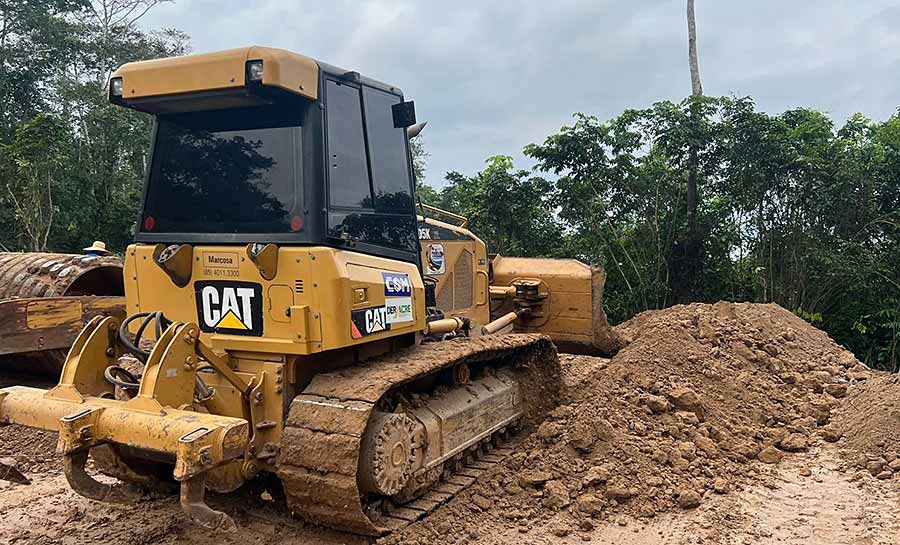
(295, 323)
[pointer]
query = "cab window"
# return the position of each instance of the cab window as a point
(347, 165)
(387, 148)
(369, 184)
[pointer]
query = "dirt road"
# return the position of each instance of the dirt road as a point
(717, 425)
(828, 506)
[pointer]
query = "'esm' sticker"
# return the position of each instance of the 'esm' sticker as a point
(397, 297)
(396, 284)
(233, 308)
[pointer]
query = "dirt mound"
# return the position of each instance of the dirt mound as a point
(869, 422)
(700, 400)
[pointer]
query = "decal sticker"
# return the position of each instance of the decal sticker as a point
(396, 284)
(233, 308)
(366, 321)
(398, 309)
(434, 263)
(221, 264)
(397, 298)
(436, 232)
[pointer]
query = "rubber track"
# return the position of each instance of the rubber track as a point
(325, 425)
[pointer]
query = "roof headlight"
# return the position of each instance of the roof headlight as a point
(115, 87)
(255, 71)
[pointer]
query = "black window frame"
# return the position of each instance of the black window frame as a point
(365, 135)
(370, 91)
(309, 234)
(412, 255)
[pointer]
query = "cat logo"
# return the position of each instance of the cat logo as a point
(366, 321)
(233, 308)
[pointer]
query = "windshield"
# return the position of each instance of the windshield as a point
(229, 171)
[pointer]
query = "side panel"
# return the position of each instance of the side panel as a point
(319, 299)
(29, 325)
(456, 260)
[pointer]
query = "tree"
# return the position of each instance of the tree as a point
(419, 157)
(34, 44)
(111, 143)
(108, 20)
(57, 56)
(425, 193)
(696, 86)
(794, 211)
(32, 163)
(509, 209)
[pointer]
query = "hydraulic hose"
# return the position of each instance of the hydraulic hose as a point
(134, 346)
(122, 378)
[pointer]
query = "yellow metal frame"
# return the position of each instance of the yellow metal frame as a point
(218, 71)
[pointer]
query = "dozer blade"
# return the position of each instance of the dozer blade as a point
(570, 307)
(10, 472)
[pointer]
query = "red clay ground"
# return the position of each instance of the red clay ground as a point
(717, 424)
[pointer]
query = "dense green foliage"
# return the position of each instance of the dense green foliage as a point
(792, 210)
(71, 164)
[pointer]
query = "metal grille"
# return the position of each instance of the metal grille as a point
(298, 286)
(445, 295)
(463, 281)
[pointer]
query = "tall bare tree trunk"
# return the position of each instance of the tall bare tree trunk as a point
(696, 91)
(696, 86)
(691, 269)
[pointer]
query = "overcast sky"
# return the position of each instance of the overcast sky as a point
(493, 76)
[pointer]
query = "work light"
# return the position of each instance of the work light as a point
(254, 71)
(115, 87)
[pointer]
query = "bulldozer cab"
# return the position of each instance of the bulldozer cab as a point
(293, 151)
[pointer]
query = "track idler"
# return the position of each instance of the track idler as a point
(388, 455)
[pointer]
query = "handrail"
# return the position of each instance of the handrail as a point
(464, 220)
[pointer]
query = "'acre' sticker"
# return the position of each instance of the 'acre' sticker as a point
(398, 309)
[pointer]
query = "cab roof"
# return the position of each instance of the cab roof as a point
(150, 85)
(218, 71)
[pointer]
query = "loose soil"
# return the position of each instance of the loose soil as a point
(725, 423)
